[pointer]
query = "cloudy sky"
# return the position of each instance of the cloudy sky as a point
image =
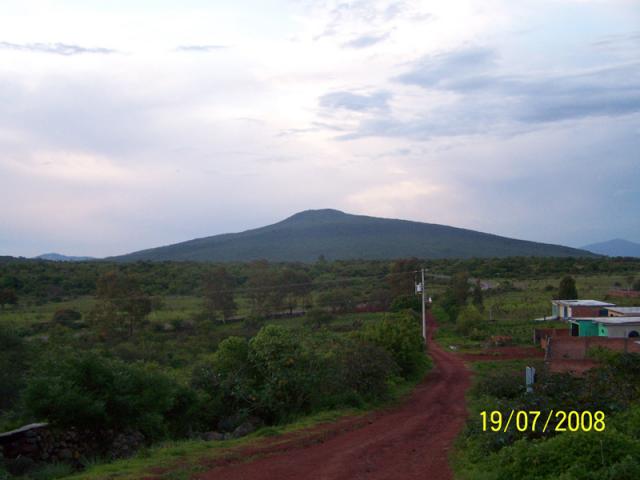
(135, 123)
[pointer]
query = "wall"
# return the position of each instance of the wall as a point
(41, 444)
(576, 348)
(622, 331)
(579, 312)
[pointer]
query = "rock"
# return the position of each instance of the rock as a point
(213, 436)
(243, 429)
(65, 454)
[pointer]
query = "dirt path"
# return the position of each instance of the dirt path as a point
(410, 441)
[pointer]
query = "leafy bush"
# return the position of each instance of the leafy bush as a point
(406, 302)
(87, 390)
(401, 336)
(285, 372)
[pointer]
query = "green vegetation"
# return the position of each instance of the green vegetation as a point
(219, 345)
(610, 454)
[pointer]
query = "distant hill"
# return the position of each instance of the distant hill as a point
(57, 257)
(615, 248)
(337, 235)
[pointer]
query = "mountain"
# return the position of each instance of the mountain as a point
(615, 248)
(57, 257)
(337, 235)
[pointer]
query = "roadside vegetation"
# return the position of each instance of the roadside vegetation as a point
(611, 454)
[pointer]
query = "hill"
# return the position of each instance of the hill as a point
(615, 248)
(57, 257)
(338, 235)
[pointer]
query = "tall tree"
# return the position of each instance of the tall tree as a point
(477, 297)
(456, 295)
(263, 290)
(402, 275)
(295, 286)
(219, 287)
(122, 305)
(567, 290)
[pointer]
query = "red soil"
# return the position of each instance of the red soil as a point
(410, 441)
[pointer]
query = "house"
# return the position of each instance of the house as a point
(623, 311)
(566, 309)
(611, 327)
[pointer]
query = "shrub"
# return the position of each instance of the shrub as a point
(401, 336)
(406, 302)
(90, 391)
(317, 318)
(284, 370)
(67, 317)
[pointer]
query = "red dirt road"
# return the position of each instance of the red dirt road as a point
(410, 441)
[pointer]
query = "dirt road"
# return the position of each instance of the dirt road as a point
(410, 441)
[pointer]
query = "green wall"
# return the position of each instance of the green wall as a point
(588, 328)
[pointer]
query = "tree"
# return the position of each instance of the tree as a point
(8, 297)
(295, 287)
(219, 289)
(456, 295)
(567, 290)
(636, 285)
(401, 277)
(336, 300)
(317, 318)
(121, 303)
(263, 291)
(477, 297)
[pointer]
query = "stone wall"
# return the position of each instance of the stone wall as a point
(39, 443)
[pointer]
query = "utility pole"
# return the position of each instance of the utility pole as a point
(424, 310)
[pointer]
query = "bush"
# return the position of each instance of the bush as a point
(470, 321)
(317, 318)
(90, 391)
(401, 336)
(67, 317)
(285, 372)
(406, 302)
(364, 370)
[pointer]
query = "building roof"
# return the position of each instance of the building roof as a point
(609, 320)
(583, 303)
(625, 310)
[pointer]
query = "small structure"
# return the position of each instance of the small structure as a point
(623, 311)
(566, 309)
(611, 327)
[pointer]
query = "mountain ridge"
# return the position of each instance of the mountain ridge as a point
(617, 247)
(336, 235)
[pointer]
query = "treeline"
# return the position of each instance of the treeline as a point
(43, 281)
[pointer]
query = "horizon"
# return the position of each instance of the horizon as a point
(133, 125)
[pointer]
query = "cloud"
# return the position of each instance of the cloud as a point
(55, 48)
(200, 48)
(365, 41)
(356, 102)
(462, 67)
(484, 97)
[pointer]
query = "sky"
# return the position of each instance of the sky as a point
(132, 124)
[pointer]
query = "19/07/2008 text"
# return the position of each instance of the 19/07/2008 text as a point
(532, 420)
